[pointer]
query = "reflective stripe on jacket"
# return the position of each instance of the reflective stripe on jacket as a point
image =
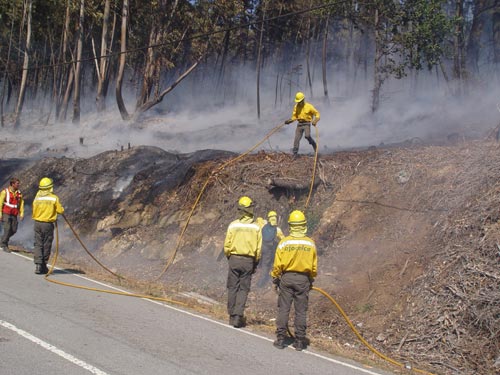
(295, 254)
(304, 113)
(46, 206)
(243, 237)
(13, 203)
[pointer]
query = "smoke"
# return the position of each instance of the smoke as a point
(210, 111)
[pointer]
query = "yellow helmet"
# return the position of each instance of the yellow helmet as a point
(299, 97)
(245, 202)
(271, 214)
(297, 218)
(45, 183)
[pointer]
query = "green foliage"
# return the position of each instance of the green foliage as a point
(426, 28)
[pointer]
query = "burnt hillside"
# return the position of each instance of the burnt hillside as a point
(408, 237)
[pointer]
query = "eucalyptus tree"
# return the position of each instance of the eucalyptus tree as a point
(408, 34)
(171, 46)
(24, 73)
(103, 62)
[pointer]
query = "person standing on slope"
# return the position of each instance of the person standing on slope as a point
(305, 114)
(242, 248)
(271, 235)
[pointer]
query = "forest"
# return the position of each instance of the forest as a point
(122, 102)
(69, 58)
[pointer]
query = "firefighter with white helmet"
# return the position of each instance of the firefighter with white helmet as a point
(294, 270)
(46, 206)
(305, 114)
(242, 248)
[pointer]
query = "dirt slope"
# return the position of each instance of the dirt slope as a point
(408, 238)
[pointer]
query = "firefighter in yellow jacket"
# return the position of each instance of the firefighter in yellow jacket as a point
(242, 248)
(12, 207)
(294, 270)
(46, 206)
(305, 114)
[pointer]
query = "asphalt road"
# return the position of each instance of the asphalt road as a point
(48, 328)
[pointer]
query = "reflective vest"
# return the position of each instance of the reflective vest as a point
(12, 202)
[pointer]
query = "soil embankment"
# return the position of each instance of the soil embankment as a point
(408, 237)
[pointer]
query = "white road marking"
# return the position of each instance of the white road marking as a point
(345, 364)
(53, 349)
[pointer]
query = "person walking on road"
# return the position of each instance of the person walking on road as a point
(46, 206)
(271, 235)
(242, 248)
(305, 114)
(294, 269)
(12, 207)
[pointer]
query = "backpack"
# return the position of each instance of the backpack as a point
(269, 233)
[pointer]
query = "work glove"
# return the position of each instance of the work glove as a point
(311, 281)
(315, 121)
(289, 121)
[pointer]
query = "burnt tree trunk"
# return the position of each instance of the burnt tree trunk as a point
(5, 73)
(377, 69)
(259, 59)
(102, 72)
(24, 77)
(78, 68)
(62, 71)
(323, 57)
(458, 45)
(121, 68)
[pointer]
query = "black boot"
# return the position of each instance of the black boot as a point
(232, 320)
(280, 342)
(38, 269)
(300, 344)
(44, 269)
(239, 321)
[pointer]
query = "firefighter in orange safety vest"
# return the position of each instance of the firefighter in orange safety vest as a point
(12, 206)
(294, 270)
(242, 248)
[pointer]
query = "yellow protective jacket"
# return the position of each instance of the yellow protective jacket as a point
(46, 206)
(243, 237)
(304, 112)
(4, 201)
(295, 253)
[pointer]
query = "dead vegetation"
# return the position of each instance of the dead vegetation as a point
(408, 238)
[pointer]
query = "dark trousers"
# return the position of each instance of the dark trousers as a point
(44, 235)
(294, 287)
(239, 279)
(9, 228)
(299, 131)
(266, 263)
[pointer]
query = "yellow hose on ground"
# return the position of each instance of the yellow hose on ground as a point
(52, 267)
(86, 250)
(321, 291)
(361, 338)
(314, 168)
(214, 172)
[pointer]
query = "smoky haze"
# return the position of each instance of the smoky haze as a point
(205, 112)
